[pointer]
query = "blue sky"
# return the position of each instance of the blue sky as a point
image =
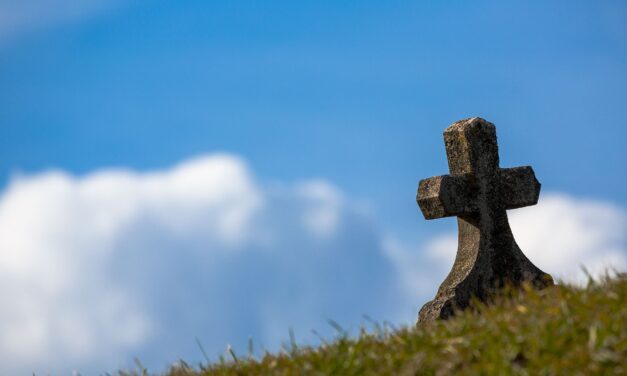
(335, 107)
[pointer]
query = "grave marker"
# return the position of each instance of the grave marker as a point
(478, 192)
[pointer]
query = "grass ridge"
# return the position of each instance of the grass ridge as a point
(563, 330)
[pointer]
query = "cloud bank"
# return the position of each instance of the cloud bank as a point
(116, 264)
(95, 270)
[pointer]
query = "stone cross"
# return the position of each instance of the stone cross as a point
(479, 192)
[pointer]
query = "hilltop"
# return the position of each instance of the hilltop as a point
(563, 330)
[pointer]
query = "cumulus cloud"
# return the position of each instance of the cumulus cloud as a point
(97, 269)
(61, 234)
(561, 234)
(17, 17)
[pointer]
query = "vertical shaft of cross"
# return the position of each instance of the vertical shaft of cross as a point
(478, 192)
(471, 150)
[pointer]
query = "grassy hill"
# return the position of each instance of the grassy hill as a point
(563, 330)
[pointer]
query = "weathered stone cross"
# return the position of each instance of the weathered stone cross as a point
(478, 192)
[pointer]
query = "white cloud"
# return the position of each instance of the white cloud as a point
(59, 234)
(563, 233)
(100, 268)
(95, 270)
(20, 16)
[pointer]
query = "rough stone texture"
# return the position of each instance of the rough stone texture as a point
(478, 192)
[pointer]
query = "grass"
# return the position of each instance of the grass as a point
(564, 330)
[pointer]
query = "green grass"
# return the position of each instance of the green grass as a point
(563, 330)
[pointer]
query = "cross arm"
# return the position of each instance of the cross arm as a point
(519, 187)
(446, 196)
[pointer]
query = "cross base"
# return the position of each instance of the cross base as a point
(485, 263)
